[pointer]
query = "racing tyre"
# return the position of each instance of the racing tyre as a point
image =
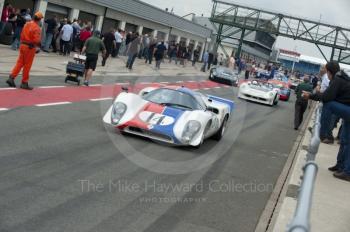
(218, 136)
(275, 102)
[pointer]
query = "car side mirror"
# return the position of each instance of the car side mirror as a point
(210, 100)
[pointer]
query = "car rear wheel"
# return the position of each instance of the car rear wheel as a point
(275, 102)
(218, 136)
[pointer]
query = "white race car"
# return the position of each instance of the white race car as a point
(261, 92)
(170, 114)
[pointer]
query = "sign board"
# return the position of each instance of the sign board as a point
(289, 55)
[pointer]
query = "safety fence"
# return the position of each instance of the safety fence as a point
(301, 219)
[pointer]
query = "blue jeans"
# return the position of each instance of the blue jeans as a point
(131, 60)
(48, 41)
(328, 123)
(342, 111)
(16, 38)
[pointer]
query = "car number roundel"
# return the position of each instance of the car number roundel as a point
(156, 119)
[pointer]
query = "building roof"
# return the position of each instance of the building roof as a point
(146, 11)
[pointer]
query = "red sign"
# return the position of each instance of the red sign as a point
(290, 53)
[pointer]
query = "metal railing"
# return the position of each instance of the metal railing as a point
(301, 219)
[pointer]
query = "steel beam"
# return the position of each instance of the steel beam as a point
(231, 19)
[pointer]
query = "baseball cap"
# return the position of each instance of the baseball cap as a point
(39, 15)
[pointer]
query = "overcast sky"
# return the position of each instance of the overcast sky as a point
(333, 12)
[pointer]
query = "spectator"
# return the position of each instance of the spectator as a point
(173, 53)
(195, 57)
(324, 79)
(109, 42)
(184, 56)
(336, 100)
(215, 62)
(66, 38)
(149, 55)
(205, 60)
(6, 11)
(145, 45)
(248, 69)
(129, 38)
(314, 81)
(159, 54)
(301, 104)
(28, 15)
(231, 63)
(76, 32)
(118, 41)
(20, 21)
(133, 49)
(221, 59)
(92, 48)
(85, 34)
(12, 20)
(210, 60)
(50, 30)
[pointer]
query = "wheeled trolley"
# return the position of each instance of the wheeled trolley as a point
(75, 69)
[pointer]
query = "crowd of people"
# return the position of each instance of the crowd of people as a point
(332, 88)
(65, 36)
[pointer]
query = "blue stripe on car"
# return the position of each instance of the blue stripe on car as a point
(231, 104)
(169, 129)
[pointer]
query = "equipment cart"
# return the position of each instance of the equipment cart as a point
(76, 69)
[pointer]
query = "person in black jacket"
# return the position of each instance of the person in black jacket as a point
(20, 21)
(336, 101)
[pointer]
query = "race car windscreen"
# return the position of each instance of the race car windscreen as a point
(173, 98)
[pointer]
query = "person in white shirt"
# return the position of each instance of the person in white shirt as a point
(118, 41)
(66, 38)
(324, 79)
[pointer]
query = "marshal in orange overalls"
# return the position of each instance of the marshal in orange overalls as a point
(30, 40)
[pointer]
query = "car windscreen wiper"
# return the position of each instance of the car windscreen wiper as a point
(175, 104)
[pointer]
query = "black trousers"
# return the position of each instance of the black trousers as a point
(65, 47)
(300, 108)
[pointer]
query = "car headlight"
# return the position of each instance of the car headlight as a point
(271, 94)
(191, 129)
(214, 72)
(118, 112)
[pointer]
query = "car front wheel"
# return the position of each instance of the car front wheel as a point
(218, 136)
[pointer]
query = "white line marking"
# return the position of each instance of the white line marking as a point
(3, 109)
(96, 85)
(179, 82)
(125, 83)
(53, 104)
(7, 88)
(50, 87)
(206, 88)
(101, 99)
(164, 82)
(217, 87)
(195, 89)
(145, 83)
(192, 81)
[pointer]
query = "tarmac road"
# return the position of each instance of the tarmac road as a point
(61, 169)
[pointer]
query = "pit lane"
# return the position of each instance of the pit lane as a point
(48, 152)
